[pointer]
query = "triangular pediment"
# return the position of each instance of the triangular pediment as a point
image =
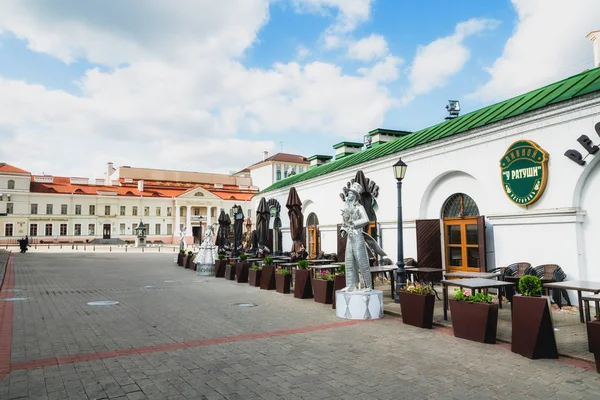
(197, 193)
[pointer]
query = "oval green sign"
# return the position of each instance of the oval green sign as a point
(524, 170)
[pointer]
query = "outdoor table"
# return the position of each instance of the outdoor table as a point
(474, 283)
(586, 303)
(320, 261)
(320, 267)
(254, 259)
(385, 268)
(465, 274)
(428, 273)
(280, 261)
(579, 286)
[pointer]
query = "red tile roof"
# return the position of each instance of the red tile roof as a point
(7, 168)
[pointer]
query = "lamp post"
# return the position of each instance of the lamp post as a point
(399, 172)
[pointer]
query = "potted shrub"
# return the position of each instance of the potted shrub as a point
(180, 257)
(532, 328)
(474, 317)
(283, 280)
(254, 275)
(230, 270)
(267, 280)
(416, 303)
(323, 287)
(241, 269)
(593, 331)
(220, 266)
(339, 282)
(188, 260)
(302, 285)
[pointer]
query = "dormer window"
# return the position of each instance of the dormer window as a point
(11, 184)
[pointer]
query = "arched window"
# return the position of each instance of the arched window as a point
(78, 190)
(199, 194)
(459, 205)
(11, 184)
(312, 220)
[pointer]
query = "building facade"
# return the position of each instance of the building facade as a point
(275, 168)
(517, 181)
(54, 209)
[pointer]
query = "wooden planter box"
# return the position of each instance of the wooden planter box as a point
(254, 277)
(186, 261)
(417, 309)
(267, 280)
(474, 321)
(532, 329)
(323, 291)
(230, 272)
(241, 272)
(220, 268)
(180, 259)
(593, 331)
(282, 283)
(302, 285)
(339, 283)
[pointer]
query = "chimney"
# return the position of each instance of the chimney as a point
(141, 186)
(265, 155)
(109, 171)
(595, 38)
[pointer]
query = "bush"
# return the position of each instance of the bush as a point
(190, 253)
(182, 251)
(530, 285)
(221, 256)
(256, 267)
(283, 271)
(302, 264)
(268, 260)
(243, 257)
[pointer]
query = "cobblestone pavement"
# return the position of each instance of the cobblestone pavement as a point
(177, 336)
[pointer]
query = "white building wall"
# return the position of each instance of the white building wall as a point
(263, 176)
(545, 232)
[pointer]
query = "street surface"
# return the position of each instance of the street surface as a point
(177, 336)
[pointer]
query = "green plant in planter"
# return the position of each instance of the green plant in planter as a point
(221, 256)
(268, 260)
(232, 262)
(423, 288)
(190, 253)
(182, 251)
(325, 275)
(475, 298)
(530, 285)
(302, 264)
(283, 271)
(341, 269)
(256, 267)
(243, 257)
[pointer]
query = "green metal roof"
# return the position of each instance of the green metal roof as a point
(388, 132)
(349, 144)
(567, 89)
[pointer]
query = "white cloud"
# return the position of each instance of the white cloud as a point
(441, 59)
(177, 95)
(302, 52)
(368, 48)
(548, 44)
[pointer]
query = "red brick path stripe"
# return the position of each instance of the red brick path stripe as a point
(6, 319)
(172, 346)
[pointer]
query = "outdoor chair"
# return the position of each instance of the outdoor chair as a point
(513, 273)
(553, 273)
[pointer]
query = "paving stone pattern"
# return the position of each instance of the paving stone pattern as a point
(381, 359)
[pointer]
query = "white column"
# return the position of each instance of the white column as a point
(177, 221)
(188, 221)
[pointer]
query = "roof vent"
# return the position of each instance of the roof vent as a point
(218, 186)
(43, 179)
(317, 160)
(344, 149)
(79, 181)
(595, 38)
(380, 136)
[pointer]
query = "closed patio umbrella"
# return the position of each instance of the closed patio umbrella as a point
(262, 222)
(221, 238)
(294, 206)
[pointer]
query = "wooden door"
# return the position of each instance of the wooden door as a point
(464, 241)
(312, 241)
(106, 231)
(429, 243)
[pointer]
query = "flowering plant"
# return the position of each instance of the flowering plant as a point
(423, 288)
(325, 275)
(472, 298)
(283, 271)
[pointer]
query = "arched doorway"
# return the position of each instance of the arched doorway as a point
(277, 246)
(464, 234)
(313, 236)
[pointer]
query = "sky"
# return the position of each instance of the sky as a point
(208, 85)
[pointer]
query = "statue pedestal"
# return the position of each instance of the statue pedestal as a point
(359, 304)
(205, 269)
(140, 241)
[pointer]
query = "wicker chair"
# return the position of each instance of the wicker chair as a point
(553, 273)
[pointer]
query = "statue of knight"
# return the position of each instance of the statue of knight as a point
(357, 262)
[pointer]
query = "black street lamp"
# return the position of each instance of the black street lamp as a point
(399, 172)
